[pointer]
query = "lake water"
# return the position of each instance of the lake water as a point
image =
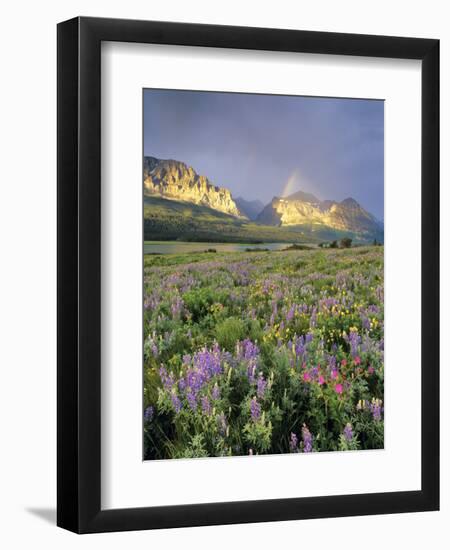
(177, 247)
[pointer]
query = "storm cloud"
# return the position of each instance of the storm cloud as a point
(261, 146)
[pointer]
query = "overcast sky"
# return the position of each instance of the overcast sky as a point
(261, 146)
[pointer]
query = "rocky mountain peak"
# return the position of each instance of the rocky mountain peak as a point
(305, 209)
(175, 180)
(350, 203)
(302, 196)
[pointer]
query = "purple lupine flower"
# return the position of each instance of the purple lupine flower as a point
(348, 432)
(365, 323)
(308, 338)
(215, 393)
(195, 379)
(293, 442)
(203, 366)
(154, 349)
(192, 400)
(354, 340)
(261, 386)
(148, 414)
(176, 402)
(251, 370)
(247, 350)
(255, 409)
(274, 309)
(376, 409)
(290, 314)
(206, 405)
(208, 361)
(331, 363)
(166, 378)
(153, 346)
(307, 439)
(379, 293)
(177, 307)
(300, 346)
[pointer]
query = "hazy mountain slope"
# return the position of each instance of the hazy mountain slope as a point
(250, 208)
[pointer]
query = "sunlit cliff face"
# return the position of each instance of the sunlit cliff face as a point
(175, 180)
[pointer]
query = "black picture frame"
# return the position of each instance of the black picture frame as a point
(79, 280)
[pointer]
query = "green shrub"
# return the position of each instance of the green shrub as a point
(229, 332)
(198, 302)
(346, 242)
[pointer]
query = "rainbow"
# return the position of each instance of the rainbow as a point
(291, 183)
(295, 182)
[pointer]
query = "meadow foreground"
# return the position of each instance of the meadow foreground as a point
(263, 352)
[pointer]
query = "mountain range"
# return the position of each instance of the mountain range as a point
(181, 204)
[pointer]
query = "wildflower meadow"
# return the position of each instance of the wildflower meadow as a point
(264, 352)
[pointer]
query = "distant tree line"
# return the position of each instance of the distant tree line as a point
(346, 242)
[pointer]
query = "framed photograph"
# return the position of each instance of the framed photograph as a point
(248, 275)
